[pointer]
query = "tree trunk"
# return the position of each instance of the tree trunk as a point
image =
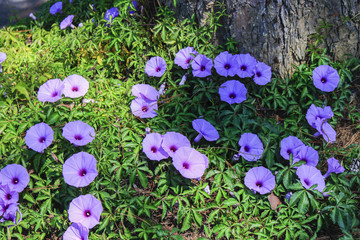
(279, 32)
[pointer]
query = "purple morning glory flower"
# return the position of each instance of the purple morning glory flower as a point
(75, 86)
(172, 141)
(155, 67)
(15, 176)
(260, 179)
(80, 169)
(8, 195)
(205, 129)
(39, 137)
(201, 66)
(262, 73)
(314, 113)
(307, 154)
(145, 91)
(290, 145)
(152, 147)
(67, 22)
(144, 108)
(189, 162)
(334, 167)
(111, 13)
(326, 130)
(183, 80)
(309, 176)
(50, 91)
(251, 147)
(2, 58)
(9, 212)
(184, 57)
(135, 5)
(232, 91)
(55, 8)
(325, 78)
(246, 64)
(85, 210)
(78, 133)
(76, 232)
(226, 64)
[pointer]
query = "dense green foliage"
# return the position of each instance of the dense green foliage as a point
(145, 199)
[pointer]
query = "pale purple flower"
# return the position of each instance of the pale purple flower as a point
(76, 232)
(80, 169)
(288, 196)
(162, 89)
(2, 58)
(9, 212)
(85, 210)
(201, 66)
(314, 113)
(262, 73)
(307, 154)
(189, 162)
(80, 25)
(325, 78)
(172, 141)
(144, 108)
(39, 137)
(152, 147)
(78, 133)
(251, 147)
(232, 91)
(75, 86)
(8, 195)
(334, 167)
(55, 8)
(183, 79)
(207, 189)
(15, 176)
(260, 179)
(226, 64)
(290, 145)
(51, 91)
(184, 57)
(155, 67)
(205, 129)
(326, 130)
(145, 91)
(246, 64)
(67, 22)
(111, 14)
(309, 176)
(31, 15)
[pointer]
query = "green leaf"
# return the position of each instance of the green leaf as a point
(21, 88)
(186, 223)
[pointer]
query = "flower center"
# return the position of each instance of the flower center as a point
(303, 159)
(186, 165)
(227, 66)
(258, 184)
(243, 68)
(8, 196)
(173, 148)
(289, 151)
(82, 172)
(75, 89)
(258, 74)
(144, 109)
(54, 94)
(188, 60)
(307, 182)
(202, 68)
(153, 149)
(87, 213)
(78, 137)
(232, 95)
(42, 139)
(246, 148)
(157, 69)
(323, 80)
(15, 181)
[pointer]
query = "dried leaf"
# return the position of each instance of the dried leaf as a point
(274, 201)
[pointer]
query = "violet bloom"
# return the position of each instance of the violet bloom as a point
(85, 210)
(31, 15)
(251, 147)
(155, 67)
(226, 64)
(145, 91)
(334, 167)
(50, 91)
(80, 169)
(78, 133)
(135, 5)
(246, 64)
(67, 22)
(75, 86)
(144, 108)
(315, 113)
(39, 137)
(189, 162)
(184, 57)
(172, 141)
(201, 66)
(325, 78)
(290, 145)
(307, 154)
(260, 179)
(76, 232)
(10, 213)
(8, 195)
(2, 58)
(15, 176)
(205, 129)
(262, 73)
(309, 176)
(232, 91)
(152, 147)
(55, 8)
(111, 14)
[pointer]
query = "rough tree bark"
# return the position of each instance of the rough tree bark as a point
(278, 32)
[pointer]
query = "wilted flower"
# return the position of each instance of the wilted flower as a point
(189, 162)
(15, 176)
(9, 212)
(326, 130)
(325, 78)
(67, 22)
(205, 129)
(155, 67)
(290, 145)
(262, 73)
(55, 8)
(288, 196)
(39, 137)
(85, 210)
(260, 179)
(145, 91)
(334, 167)
(144, 108)
(183, 80)
(50, 91)
(78, 133)
(184, 57)
(80, 169)
(7, 195)
(201, 66)
(111, 14)
(309, 176)
(75, 86)
(226, 64)
(251, 147)
(152, 147)
(162, 89)
(31, 15)
(246, 64)
(80, 25)
(172, 141)
(307, 154)
(315, 113)
(76, 232)
(232, 91)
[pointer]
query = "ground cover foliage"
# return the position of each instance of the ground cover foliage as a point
(145, 199)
